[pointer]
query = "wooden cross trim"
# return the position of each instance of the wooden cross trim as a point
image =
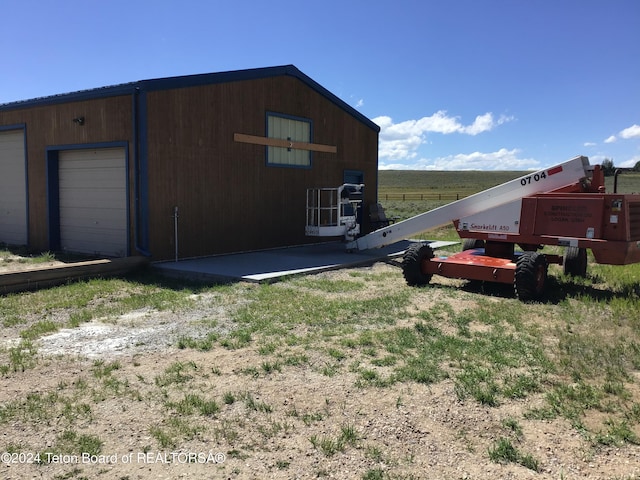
(280, 142)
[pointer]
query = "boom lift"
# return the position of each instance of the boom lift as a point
(565, 205)
(333, 212)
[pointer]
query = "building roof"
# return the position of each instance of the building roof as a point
(191, 81)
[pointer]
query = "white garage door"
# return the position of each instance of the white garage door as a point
(93, 201)
(13, 188)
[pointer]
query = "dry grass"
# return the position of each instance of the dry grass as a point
(347, 374)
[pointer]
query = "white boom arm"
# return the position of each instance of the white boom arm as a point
(541, 181)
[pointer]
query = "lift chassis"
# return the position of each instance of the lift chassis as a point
(565, 205)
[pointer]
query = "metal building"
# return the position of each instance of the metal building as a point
(198, 165)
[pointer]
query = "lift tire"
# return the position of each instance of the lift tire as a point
(575, 262)
(531, 276)
(412, 264)
(471, 243)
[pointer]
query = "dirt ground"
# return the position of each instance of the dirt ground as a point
(15, 263)
(404, 431)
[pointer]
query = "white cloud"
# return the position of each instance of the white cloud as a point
(502, 159)
(401, 140)
(439, 122)
(630, 163)
(482, 123)
(485, 123)
(589, 144)
(596, 159)
(632, 132)
(355, 101)
(398, 149)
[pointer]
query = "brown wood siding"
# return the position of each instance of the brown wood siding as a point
(228, 198)
(106, 120)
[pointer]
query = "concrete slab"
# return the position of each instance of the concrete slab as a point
(271, 265)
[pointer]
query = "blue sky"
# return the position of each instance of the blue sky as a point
(454, 84)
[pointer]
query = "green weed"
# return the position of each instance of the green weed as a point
(254, 405)
(503, 451)
(203, 344)
(229, 398)
(310, 418)
(374, 474)
(22, 357)
(101, 369)
(271, 367)
(513, 425)
(192, 403)
(39, 329)
(78, 317)
(616, 434)
(174, 429)
(71, 442)
(228, 431)
(479, 383)
(329, 445)
(571, 401)
(374, 453)
(163, 437)
(176, 373)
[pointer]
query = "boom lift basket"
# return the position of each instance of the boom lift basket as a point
(333, 212)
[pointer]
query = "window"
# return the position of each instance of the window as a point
(288, 128)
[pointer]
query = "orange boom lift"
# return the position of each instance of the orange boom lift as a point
(565, 205)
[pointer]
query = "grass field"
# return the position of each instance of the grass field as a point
(425, 190)
(345, 374)
(468, 182)
(440, 182)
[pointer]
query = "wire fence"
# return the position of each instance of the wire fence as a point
(404, 197)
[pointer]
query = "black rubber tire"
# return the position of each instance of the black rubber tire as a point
(531, 276)
(412, 264)
(471, 243)
(575, 262)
